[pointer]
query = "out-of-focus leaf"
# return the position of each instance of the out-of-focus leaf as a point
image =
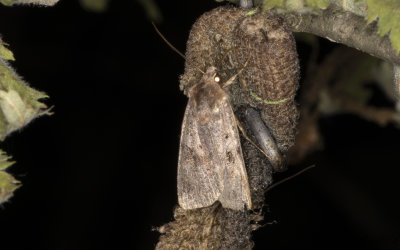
(268, 4)
(95, 5)
(296, 5)
(383, 75)
(152, 10)
(320, 4)
(353, 82)
(356, 7)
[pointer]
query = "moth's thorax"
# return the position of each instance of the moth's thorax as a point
(208, 96)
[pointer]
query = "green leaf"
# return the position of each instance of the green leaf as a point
(388, 14)
(268, 4)
(321, 4)
(4, 163)
(8, 184)
(19, 104)
(5, 53)
(296, 5)
(152, 10)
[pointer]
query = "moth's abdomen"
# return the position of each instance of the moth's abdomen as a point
(272, 73)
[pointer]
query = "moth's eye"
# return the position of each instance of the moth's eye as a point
(217, 79)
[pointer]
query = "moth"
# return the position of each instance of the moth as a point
(211, 166)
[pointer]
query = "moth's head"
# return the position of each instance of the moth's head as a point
(211, 76)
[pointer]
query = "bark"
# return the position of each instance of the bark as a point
(346, 28)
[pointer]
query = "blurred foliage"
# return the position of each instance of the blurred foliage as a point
(95, 5)
(8, 184)
(152, 10)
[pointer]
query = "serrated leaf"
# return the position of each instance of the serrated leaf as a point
(388, 14)
(19, 103)
(8, 184)
(4, 160)
(5, 53)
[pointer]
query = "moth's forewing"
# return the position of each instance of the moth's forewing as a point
(211, 165)
(236, 191)
(199, 182)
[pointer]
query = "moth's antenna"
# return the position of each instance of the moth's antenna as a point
(288, 178)
(168, 43)
(230, 81)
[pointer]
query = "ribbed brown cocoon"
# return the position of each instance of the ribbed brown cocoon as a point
(226, 38)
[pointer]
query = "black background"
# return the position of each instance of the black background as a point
(101, 172)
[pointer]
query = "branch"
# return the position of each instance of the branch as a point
(347, 28)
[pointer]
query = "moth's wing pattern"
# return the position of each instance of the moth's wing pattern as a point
(211, 165)
(199, 181)
(236, 191)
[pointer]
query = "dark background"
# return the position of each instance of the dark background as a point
(101, 172)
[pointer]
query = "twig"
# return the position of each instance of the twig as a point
(347, 28)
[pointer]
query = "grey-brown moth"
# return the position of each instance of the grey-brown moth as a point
(211, 166)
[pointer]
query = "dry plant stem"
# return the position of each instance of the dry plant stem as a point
(344, 27)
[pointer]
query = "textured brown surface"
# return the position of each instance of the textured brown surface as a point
(206, 228)
(210, 43)
(226, 38)
(272, 72)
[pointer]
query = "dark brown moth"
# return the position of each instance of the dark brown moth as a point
(211, 166)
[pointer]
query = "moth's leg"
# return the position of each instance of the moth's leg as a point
(264, 138)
